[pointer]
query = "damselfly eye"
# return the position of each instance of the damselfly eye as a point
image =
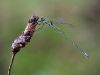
(43, 19)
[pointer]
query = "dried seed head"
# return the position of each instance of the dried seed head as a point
(33, 19)
(25, 37)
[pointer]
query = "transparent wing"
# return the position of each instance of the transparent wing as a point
(61, 21)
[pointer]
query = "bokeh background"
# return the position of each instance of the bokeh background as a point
(49, 53)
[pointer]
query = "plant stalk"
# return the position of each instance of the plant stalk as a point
(11, 63)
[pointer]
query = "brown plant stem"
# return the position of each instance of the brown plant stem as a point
(11, 63)
(23, 39)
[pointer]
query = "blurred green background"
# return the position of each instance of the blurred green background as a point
(49, 53)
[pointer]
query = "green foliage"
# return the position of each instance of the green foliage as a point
(48, 52)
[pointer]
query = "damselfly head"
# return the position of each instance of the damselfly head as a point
(44, 21)
(33, 19)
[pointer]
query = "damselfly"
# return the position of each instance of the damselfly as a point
(50, 23)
